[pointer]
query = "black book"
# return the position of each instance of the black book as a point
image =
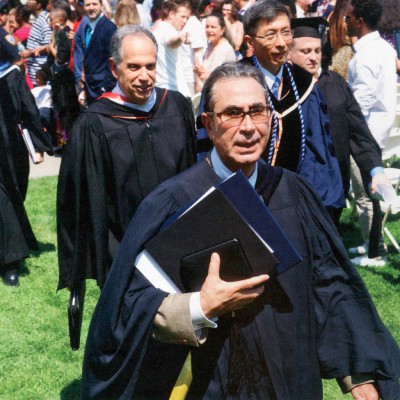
(233, 267)
(211, 221)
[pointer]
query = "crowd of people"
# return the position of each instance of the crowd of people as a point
(298, 95)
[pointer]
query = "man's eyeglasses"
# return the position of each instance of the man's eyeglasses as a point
(235, 116)
(347, 17)
(271, 38)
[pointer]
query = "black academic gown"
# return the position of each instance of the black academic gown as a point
(17, 105)
(349, 129)
(115, 157)
(315, 320)
(320, 166)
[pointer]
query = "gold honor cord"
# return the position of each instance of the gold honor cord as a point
(184, 381)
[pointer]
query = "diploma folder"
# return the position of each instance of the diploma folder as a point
(232, 210)
(233, 266)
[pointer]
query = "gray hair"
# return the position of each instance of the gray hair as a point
(127, 31)
(228, 71)
(262, 11)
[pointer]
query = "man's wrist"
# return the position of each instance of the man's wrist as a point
(348, 383)
(199, 320)
(376, 171)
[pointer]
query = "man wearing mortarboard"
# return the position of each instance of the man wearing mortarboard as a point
(350, 132)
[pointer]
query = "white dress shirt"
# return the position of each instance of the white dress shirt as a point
(372, 76)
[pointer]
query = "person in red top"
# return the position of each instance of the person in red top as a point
(20, 24)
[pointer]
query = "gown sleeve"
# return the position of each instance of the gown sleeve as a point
(31, 118)
(82, 221)
(351, 338)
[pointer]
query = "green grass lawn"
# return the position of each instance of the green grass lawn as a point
(36, 362)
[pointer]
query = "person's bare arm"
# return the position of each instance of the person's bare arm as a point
(176, 41)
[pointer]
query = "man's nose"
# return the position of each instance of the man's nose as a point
(313, 56)
(144, 73)
(247, 123)
(279, 40)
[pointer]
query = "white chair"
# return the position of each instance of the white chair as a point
(387, 208)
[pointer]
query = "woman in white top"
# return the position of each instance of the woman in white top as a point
(219, 50)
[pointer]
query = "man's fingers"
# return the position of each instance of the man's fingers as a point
(254, 282)
(213, 268)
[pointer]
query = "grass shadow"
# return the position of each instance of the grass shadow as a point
(72, 391)
(46, 247)
(384, 275)
(23, 269)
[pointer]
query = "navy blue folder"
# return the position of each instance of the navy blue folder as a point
(251, 206)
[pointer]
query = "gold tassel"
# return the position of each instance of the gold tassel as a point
(184, 381)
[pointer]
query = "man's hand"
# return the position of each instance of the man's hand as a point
(218, 297)
(365, 392)
(40, 157)
(379, 179)
(26, 53)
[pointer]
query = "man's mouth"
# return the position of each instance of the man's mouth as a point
(143, 88)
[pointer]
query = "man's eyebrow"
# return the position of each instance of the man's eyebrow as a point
(234, 107)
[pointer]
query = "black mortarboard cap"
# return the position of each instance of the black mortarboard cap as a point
(314, 27)
(3, 6)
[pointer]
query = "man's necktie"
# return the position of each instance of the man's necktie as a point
(275, 87)
(88, 36)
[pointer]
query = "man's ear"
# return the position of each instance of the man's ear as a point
(249, 41)
(113, 68)
(206, 119)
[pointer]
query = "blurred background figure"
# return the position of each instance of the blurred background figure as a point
(65, 100)
(192, 53)
(43, 99)
(20, 25)
(341, 43)
(92, 53)
(4, 18)
(128, 12)
(303, 8)
(372, 77)
(233, 25)
(170, 36)
(219, 49)
(39, 38)
(389, 22)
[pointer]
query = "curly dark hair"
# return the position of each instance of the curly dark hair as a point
(390, 16)
(369, 10)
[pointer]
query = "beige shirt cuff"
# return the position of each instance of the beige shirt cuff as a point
(173, 322)
(348, 383)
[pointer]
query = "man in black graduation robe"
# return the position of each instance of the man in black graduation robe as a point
(121, 148)
(315, 320)
(350, 132)
(17, 106)
(300, 139)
